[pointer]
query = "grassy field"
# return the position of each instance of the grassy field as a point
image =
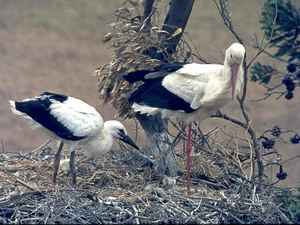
(56, 45)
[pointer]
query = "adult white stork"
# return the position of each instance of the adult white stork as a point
(72, 121)
(188, 92)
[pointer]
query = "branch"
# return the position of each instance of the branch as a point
(148, 12)
(148, 6)
(222, 6)
(219, 114)
(250, 130)
(224, 13)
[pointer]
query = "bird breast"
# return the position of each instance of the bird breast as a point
(97, 146)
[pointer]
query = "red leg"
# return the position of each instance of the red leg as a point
(189, 158)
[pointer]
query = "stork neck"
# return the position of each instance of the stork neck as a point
(227, 73)
(99, 145)
(106, 133)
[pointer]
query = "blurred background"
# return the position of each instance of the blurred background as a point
(56, 45)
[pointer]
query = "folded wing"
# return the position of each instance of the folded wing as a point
(68, 117)
(174, 87)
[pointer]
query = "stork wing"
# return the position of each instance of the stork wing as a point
(69, 118)
(158, 72)
(82, 119)
(174, 87)
(154, 95)
(190, 83)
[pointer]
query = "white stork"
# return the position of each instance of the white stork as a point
(188, 92)
(72, 121)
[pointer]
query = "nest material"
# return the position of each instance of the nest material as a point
(131, 43)
(118, 190)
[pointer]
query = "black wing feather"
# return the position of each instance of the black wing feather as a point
(39, 110)
(135, 76)
(55, 96)
(158, 72)
(152, 93)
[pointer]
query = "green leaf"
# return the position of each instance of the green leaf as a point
(261, 73)
(280, 22)
(283, 50)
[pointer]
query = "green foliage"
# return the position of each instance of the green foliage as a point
(291, 202)
(261, 73)
(281, 25)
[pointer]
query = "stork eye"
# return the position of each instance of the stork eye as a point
(121, 132)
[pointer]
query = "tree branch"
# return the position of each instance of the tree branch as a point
(222, 6)
(224, 13)
(148, 11)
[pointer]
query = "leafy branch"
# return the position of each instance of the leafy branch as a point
(283, 35)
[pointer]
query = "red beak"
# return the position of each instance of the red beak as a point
(234, 72)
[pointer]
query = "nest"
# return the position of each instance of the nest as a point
(132, 46)
(119, 190)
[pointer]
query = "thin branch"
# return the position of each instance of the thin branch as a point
(148, 12)
(223, 11)
(219, 114)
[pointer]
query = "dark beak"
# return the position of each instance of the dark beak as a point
(126, 139)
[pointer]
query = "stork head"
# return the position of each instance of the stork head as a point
(234, 57)
(118, 131)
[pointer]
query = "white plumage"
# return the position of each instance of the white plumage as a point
(72, 121)
(82, 119)
(188, 92)
(205, 87)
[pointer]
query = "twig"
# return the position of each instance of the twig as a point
(223, 11)
(136, 214)
(42, 146)
(148, 12)
(26, 185)
(224, 213)
(252, 169)
(224, 116)
(18, 180)
(284, 217)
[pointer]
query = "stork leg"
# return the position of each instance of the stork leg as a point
(72, 168)
(189, 158)
(57, 162)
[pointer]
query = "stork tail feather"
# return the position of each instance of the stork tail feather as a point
(13, 108)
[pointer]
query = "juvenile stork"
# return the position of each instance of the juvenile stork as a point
(72, 121)
(188, 92)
